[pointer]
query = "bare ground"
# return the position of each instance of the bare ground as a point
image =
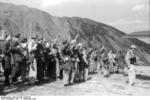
(97, 85)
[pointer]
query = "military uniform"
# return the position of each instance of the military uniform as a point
(105, 63)
(17, 57)
(74, 62)
(47, 61)
(92, 65)
(25, 67)
(83, 65)
(40, 61)
(131, 60)
(6, 62)
(54, 63)
(32, 59)
(112, 62)
(68, 65)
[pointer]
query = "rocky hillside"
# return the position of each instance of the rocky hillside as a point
(27, 21)
(145, 33)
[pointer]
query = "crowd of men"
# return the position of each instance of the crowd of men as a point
(34, 59)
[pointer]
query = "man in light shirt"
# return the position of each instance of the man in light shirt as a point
(130, 61)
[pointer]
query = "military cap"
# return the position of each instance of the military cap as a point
(133, 46)
(64, 42)
(47, 45)
(34, 36)
(79, 44)
(24, 40)
(72, 41)
(17, 35)
(40, 38)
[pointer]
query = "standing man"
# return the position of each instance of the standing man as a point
(32, 49)
(112, 61)
(6, 62)
(131, 60)
(83, 63)
(54, 62)
(40, 60)
(24, 68)
(17, 57)
(67, 63)
(55, 70)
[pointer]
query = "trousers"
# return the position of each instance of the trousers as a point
(131, 74)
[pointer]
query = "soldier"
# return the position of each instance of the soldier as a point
(74, 61)
(130, 61)
(112, 61)
(69, 63)
(73, 58)
(98, 61)
(102, 53)
(61, 61)
(47, 59)
(105, 63)
(24, 68)
(17, 57)
(55, 70)
(83, 63)
(80, 63)
(32, 47)
(92, 65)
(40, 60)
(54, 62)
(1, 60)
(6, 62)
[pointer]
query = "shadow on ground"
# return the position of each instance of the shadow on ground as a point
(19, 87)
(142, 77)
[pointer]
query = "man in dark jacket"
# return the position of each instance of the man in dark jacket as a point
(40, 60)
(6, 62)
(17, 57)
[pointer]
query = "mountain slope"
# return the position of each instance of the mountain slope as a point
(27, 21)
(141, 35)
(145, 33)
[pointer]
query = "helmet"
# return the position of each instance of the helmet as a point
(133, 46)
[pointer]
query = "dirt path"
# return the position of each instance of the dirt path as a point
(97, 85)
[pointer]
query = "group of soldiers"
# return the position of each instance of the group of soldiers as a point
(34, 59)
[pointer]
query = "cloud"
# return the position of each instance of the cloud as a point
(140, 7)
(126, 22)
(47, 3)
(51, 3)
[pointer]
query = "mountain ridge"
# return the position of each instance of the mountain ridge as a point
(140, 33)
(21, 19)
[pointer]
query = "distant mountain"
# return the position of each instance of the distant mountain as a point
(27, 21)
(141, 33)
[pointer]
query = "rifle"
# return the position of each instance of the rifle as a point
(56, 39)
(76, 37)
(12, 59)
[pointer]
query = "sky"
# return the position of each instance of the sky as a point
(126, 15)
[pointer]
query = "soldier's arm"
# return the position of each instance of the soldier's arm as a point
(5, 49)
(14, 46)
(84, 57)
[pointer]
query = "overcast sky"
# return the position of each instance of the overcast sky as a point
(126, 15)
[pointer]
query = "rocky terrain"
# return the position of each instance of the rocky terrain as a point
(97, 85)
(27, 21)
